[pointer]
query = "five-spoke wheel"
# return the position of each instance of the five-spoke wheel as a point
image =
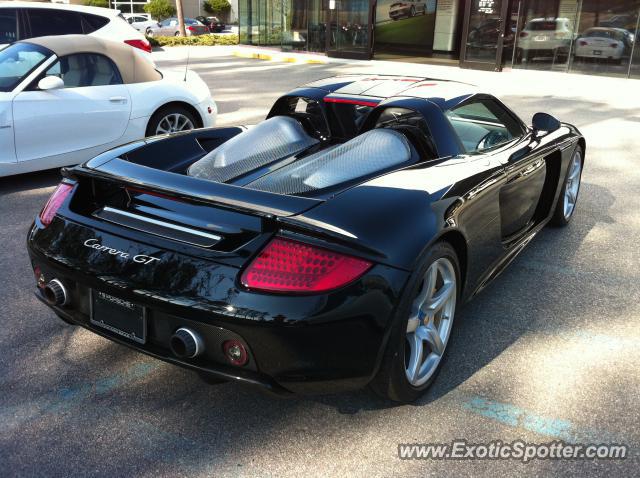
(429, 324)
(568, 199)
(422, 326)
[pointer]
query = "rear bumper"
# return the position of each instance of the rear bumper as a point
(308, 345)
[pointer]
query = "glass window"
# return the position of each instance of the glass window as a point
(8, 25)
(604, 35)
(17, 61)
(482, 125)
(45, 22)
(85, 70)
(91, 23)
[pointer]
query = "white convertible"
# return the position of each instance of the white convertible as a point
(65, 99)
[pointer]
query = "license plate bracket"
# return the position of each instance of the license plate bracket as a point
(119, 316)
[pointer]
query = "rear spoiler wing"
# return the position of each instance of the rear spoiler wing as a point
(238, 198)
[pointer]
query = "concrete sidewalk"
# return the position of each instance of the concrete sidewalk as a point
(616, 92)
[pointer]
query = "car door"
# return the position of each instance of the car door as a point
(486, 126)
(7, 151)
(92, 109)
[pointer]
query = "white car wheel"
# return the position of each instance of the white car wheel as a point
(172, 119)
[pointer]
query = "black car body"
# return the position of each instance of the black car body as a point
(136, 228)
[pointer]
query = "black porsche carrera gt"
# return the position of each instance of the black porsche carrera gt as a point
(324, 249)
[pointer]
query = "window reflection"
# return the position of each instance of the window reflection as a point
(585, 36)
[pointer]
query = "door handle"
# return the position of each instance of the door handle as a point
(118, 99)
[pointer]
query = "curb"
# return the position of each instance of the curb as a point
(279, 57)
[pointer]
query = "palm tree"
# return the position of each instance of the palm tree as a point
(183, 32)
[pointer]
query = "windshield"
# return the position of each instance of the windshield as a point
(17, 61)
(603, 34)
(541, 26)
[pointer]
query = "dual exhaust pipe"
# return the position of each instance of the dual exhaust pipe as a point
(184, 343)
(55, 293)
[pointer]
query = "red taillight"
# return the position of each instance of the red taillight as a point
(191, 29)
(141, 44)
(523, 34)
(582, 43)
(614, 45)
(285, 265)
(54, 203)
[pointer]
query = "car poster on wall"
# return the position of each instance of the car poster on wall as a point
(405, 23)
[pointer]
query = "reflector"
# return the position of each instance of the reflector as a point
(55, 201)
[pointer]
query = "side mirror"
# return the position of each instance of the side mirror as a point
(51, 83)
(544, 122)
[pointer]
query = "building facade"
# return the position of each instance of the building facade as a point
(585, 36)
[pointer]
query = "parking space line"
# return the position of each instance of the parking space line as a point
(514, 416)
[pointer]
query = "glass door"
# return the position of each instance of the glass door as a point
(485, 23)
(349, 29)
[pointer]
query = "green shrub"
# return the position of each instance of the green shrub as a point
(97, 3)
(216, 7)
(201, 40)
(160, 9)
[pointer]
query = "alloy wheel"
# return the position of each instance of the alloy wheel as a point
(173, 123)
(430, 322)
(572, 186)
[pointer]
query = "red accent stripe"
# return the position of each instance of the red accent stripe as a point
(350, 102)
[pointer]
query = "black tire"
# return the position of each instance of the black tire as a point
(176, 34)
(148, 33)
(391, 380)
(559, 219)
(154, 121)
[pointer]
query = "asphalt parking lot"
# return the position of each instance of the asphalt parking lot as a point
(550, 351)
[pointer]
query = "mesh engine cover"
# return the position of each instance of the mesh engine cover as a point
(276, 138)
(366, 154)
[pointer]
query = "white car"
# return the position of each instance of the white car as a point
(141, 22)
(605, 43)
(65, 99)
(22, 20)
(545, 37)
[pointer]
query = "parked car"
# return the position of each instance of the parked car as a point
(214, 24)
(169, 27)
(64, 99)
(544, 37)
(307, 254)
(407, 8)
(604, 43)
(22, 20)
(142, 23)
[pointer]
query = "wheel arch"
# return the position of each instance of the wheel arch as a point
(183, 104)
(459, 243)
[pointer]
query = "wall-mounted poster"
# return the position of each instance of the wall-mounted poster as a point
(405, 23)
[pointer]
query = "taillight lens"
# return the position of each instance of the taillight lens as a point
(55, 201)
(613, 45)
(191, 29)
(523, 34)
(285, 265)
(141, 44)
(582, 43)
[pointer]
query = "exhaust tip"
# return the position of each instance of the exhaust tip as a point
(55, 293)
(185, 343)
